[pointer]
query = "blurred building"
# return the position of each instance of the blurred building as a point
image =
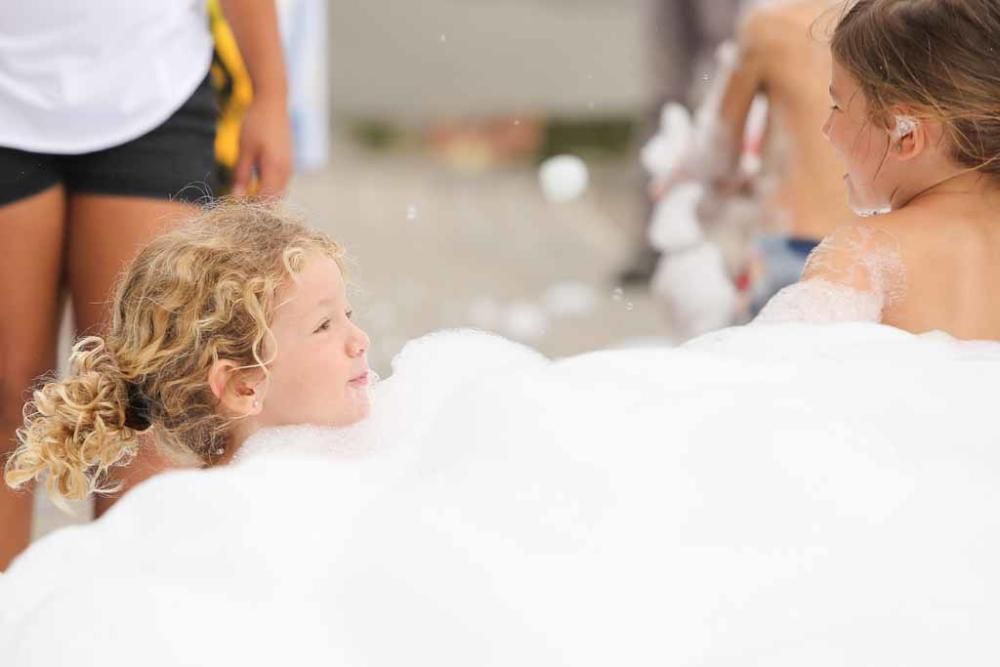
(449, 58)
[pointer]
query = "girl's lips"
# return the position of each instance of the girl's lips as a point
(360, 380)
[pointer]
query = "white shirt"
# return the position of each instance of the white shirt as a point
(82, 75)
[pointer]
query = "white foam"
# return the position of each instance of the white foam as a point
(524, 321)
(821, 301)
(862, 212)
(904, 125)
(852, 276)
(563, 178)
(569, 299)
(691, 277)
(685, 156)
(697, 290)
(675, 224)
(671, 145)
(760, 496)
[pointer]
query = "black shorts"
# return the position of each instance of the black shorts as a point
(175, 161)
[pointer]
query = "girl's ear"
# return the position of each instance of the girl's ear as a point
(909, 136)
(234, 389)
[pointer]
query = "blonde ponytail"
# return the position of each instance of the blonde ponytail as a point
(75, 429)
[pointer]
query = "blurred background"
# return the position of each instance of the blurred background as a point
(440, 114)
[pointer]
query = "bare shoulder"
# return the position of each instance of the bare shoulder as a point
(759, 37)
(853, 275)
(757, 27)
(779, 20)
(864, 254)
(922, 232)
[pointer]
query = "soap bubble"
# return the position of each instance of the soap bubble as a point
(524, 321)
(569, 299)
(563, 178)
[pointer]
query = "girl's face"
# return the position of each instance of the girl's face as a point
(862, 146)
(320, 372)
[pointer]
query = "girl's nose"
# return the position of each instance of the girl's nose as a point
(358, 343)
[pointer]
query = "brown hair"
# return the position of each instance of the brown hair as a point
(202, 292)
(934, 57)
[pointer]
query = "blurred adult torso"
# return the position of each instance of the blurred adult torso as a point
(82, 75)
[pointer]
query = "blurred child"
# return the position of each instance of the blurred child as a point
(781, 55)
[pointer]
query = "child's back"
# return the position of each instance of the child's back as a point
(949, 247)
(915, 122)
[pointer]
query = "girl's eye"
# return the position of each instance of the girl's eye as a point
(323, 327)
(350, 314)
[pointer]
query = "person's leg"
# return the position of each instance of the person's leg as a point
(31, 235)
(105, 233)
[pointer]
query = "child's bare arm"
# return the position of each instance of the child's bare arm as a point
(265, 141)
(745, 79)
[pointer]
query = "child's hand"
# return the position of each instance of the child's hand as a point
(265, 150)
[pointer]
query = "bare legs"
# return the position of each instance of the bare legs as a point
(91, 238)
(32, 238)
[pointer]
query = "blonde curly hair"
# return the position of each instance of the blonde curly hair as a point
(203, 292)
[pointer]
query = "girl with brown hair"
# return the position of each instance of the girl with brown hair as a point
(915, 120)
